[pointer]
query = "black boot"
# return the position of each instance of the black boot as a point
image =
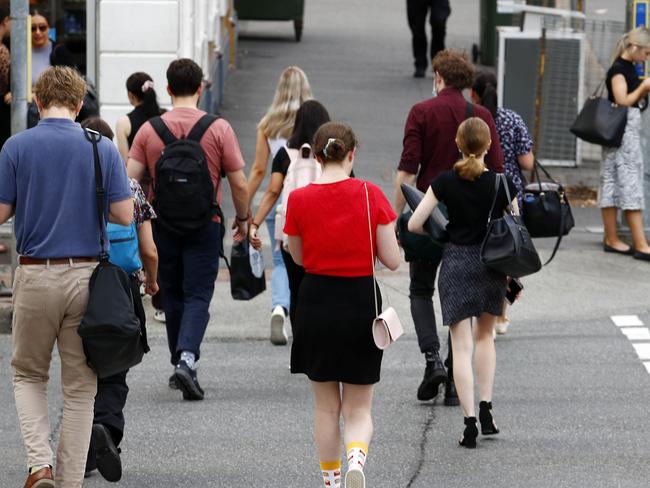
(470, 434)
(434, 376)
(451, 395)
(488, 427)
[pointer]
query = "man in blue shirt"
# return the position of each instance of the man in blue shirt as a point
(47, 181)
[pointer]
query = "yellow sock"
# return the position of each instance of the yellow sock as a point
(357, 452)
(331, 473)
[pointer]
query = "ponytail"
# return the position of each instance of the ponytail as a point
(141, 86)
(621, 45)
(469, 168)
(473, 139)
(485, 87)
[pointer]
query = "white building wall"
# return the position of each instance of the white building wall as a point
(146, 35)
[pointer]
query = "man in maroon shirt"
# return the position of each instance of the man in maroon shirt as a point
(429, 150)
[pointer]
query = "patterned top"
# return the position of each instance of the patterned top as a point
(142, 209)
(515, 141)
(5, 66)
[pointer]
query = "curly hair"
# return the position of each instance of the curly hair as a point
(454, 67)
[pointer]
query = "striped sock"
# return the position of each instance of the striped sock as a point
(357, 452)
(331, 473)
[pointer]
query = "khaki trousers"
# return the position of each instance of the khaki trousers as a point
(49, 303)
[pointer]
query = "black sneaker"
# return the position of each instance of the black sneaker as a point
(451, 395)
(434, 376)
(188, 382)
(107, 455)
(173, 384)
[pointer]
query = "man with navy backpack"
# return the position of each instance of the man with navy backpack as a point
(185, 152)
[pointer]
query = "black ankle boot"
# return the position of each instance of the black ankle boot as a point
(434, 376)
(451, 395)
(488, 427)
(470, 433)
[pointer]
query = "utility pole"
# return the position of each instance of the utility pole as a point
(19, 44)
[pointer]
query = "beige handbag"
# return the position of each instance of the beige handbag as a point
(386, 328)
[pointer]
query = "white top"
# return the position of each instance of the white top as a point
(275, 145)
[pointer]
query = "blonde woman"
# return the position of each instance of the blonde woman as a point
(621, 179)
(467, 287)
(272, 133)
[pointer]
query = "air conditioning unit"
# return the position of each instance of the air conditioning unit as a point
(561, 92)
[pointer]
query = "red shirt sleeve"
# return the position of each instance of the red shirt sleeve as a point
(412, 144)
(291, 227)
(385, 212)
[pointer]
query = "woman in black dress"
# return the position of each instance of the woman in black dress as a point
(467, 287)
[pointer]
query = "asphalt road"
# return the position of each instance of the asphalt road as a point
(571, 395)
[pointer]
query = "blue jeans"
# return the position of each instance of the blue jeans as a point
(280, 294)
(188, 267)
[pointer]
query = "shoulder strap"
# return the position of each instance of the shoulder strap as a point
(372, 251)
(199, 129)
(469, 110)
(162, 130)
(497, 181)
(94, 138)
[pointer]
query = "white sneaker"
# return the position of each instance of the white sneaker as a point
(355, 478)
(501, 327)
(159, 315)
(278, 334)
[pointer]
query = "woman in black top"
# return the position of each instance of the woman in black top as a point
(310, 116)
(621, 180)
(141, 94)
(467, 287)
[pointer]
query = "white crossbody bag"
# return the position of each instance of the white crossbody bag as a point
(386, 328)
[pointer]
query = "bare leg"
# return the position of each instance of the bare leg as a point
(462, 346)
(635, 221)
(327, 412)
(357, 413)
(485, 357)
(611, 231)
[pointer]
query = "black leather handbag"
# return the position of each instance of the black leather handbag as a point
(546, 211)
(600, 121)
(507, 247)
(112, 334)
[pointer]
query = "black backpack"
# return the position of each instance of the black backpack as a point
(184, 196)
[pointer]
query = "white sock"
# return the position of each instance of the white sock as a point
(357, 452)
(331, 473)
(189, 358)
(38, 467)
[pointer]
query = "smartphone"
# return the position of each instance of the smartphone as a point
(514, 288)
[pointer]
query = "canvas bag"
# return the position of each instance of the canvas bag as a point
(303, 169)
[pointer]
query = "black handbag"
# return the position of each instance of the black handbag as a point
(547, 212)
(111, 332)
(244, 285)
(600, 121)
(507, 247)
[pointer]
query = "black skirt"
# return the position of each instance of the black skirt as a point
(468, 288)
(333, 333)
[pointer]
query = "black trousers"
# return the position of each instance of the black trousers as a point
(295, 273)
(113, 390)
(421, 288)
(417, 10)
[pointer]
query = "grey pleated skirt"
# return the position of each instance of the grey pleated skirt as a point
(467, 287)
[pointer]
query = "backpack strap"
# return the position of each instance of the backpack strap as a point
(469, 110)
(162, 130)
(199, 129)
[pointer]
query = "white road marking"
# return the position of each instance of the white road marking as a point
(642, 350)
(632, 328)
(627, 320)
(636, 333)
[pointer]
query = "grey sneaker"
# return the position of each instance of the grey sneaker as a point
(355, 478)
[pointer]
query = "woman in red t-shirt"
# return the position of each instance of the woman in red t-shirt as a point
(327, 225)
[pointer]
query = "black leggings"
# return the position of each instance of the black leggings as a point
(295, 273)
